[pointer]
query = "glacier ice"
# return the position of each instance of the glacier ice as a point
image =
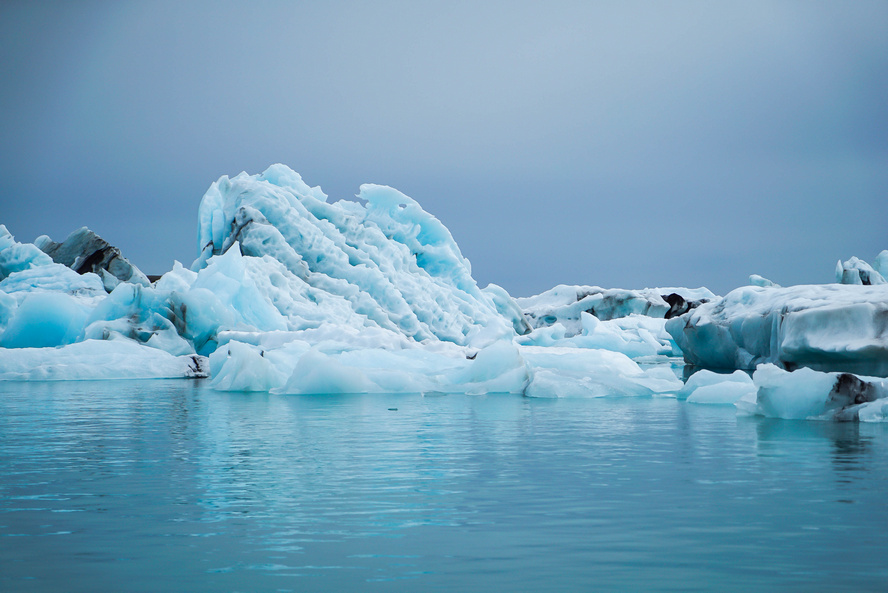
(707, 387)
(386, 264)
(831, 327)
(293, 294)
(636, 336)
(575, 372)
(84, 251)
(756, 280)
(96, 359)
(564, 304)
(857, 271)
(809, 394)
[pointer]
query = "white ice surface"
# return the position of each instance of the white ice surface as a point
(564, 304)
(857, 271)
(809, 394)
(386, 264)
(293, 294)
(830, 327)
(94, 359)
(503, 367)
(636, 336)
(573, 372)
(707, 387)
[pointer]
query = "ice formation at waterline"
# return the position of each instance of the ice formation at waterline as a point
(291, 293)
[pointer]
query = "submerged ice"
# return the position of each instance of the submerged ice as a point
(291, 293)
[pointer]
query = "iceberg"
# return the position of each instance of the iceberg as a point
(632, 322)
(857, 271)
(756, 280)
(636, 336)
(809, 394)
(97, 359)
(833, 327)
(385, 263)
(707, 387)
(84, 251)
(572, 372)
(564, 304)
(293, 294)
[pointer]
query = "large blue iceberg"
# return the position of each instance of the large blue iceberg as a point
(292, 293)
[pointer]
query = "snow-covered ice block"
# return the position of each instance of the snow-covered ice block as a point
(84, 251)
(636, 336)
(829, 327)
(707, 387)
(857, 271)
(810, 394)
(573, 372)
(564, 304)
(299, 368)
(756, 280)
(97, 359)
(15, 257)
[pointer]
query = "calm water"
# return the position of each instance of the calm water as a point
(170, 486)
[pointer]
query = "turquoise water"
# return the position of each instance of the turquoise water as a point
(170, 486)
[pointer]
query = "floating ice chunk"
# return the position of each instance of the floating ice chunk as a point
(810, 394)
(573, 372)
(499, 368)
(564, 304)
(756, 280)
(636, 336)
(876, 411)
(241, 367)
(857, 271)
(828, 327)
(802, 394)
(706, 387)
(97, 359)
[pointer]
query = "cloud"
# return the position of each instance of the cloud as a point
(629, 144)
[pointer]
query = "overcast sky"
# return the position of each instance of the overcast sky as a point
(623, 144)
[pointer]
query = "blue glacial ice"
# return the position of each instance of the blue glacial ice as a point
(809, 394)
(291, 293)
(831, 327)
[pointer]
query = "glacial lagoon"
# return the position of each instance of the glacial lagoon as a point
(171, 486)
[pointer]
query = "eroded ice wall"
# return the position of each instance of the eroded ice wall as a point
(386, 262)
(831, 327)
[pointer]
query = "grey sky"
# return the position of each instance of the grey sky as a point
(621, 144)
